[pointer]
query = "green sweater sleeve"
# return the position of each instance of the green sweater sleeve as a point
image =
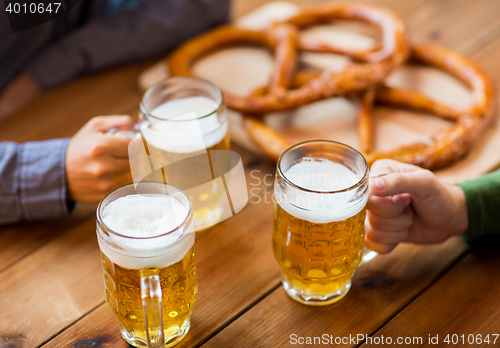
(483, 205)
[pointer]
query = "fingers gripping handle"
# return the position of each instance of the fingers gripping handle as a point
(127, 134)
(152, 307)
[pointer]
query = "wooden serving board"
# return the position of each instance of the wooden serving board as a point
(244, 69)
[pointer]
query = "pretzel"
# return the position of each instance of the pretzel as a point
(441, 150)
(361, 81)
(447, 147)
(365, 121)
(282, 38)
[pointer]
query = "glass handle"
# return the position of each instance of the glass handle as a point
(368, 255)
(129, 134)
(152, 307)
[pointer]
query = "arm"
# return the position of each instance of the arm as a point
(153, 28)
(38, 180)
(409, 204)
(483, 205)
(33, 180)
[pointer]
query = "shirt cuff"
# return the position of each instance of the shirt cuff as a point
(474, 210)
(483, 198)
(42, 180)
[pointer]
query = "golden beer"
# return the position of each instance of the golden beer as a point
(194, 176)
(146, 235)
(321, 190)
(182, 120)
(179, 293)
(317, 259)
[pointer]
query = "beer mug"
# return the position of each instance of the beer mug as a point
(146, 237)
(320, 190)
(181, 120)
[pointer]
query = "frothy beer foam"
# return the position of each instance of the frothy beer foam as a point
(184, 133)
(146, 216)
(321, 175)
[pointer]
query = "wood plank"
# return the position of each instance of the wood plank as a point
(73, 114)
(465, 301)
(235, 334)
(98, 328)
(332, 119)
(380, 289)
(46, 291)
(455, 24)
(26, 308)
(235, 269)
(241, 7)
(19, 240)
(64, 110)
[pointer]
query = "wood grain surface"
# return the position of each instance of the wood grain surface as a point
(465, 302)
(380, 289)
(51, 288)
(464, 26)
(236, 269)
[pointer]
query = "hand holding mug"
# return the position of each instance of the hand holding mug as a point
(409, 204)
(97, 162)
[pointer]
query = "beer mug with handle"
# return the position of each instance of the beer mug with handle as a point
(182, 120)
(321, 191)
(146, 236)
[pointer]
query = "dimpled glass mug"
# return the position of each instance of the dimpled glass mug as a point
(146, 236)
(321, 191)
(182, 120)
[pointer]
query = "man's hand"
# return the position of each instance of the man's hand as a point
(409, 204)
(97, 162)
(18, 94)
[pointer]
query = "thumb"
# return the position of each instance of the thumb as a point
(386, 166)
(419, 183)
(104, 123)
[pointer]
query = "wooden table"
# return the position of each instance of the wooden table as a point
(51, 288)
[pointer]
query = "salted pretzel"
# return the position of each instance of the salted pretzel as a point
(448, 146)
(362, 81)
(282, 37)
(442, 149)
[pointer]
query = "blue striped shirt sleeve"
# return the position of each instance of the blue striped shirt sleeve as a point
(33, 180)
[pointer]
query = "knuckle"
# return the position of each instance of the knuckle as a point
(127, 118)
(374, 236)
(378, 165)
(94, 121)
(96, 151)
(380, 247)
(397, 207)
(376, 222)
(427, 174)
(398, 180)
(383, 165)
(386, 248)
(100, 170)
(99, 148)
(431, 183)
